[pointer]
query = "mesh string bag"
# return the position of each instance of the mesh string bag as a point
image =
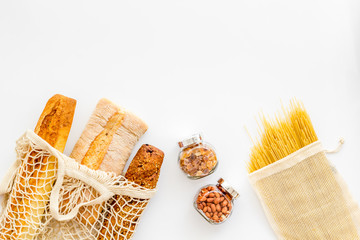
(47, 195)
(302, 194)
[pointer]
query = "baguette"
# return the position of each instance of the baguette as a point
(106, 144)
(144, 170)
(32, 187)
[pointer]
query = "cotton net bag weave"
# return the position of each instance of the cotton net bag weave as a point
(44, 191)
(302, 194)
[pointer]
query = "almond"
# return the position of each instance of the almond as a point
(218, 208)
(210, 200)
(224, 210)
(213, 208)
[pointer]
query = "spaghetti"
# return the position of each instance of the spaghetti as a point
(282, 136)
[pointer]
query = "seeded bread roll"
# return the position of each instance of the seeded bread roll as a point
(144, 170)
(34, 181)
(106, 144)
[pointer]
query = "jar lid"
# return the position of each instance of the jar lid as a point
(196, 138)
(234, 194)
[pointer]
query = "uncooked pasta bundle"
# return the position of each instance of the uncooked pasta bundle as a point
(303, 195)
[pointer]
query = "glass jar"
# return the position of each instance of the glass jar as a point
(197, 158)
(215, 202)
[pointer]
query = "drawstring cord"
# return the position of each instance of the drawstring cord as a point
(338, 148)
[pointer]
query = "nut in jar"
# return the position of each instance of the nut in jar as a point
(197, 158)
(215, 202)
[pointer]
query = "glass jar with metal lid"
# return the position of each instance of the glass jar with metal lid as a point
(215, 202)
(197, 158)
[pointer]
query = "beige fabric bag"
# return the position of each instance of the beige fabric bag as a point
(304, 197)
(22, 218)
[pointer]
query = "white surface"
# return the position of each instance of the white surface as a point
(185, 66)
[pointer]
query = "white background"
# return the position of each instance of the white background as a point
(187, 66)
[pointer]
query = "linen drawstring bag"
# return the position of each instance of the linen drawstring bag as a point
(302, 194)
(29, 212)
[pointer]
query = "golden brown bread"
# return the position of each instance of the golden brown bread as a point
(31, 191)
(144, 170)
(106, 144)
(55, 121)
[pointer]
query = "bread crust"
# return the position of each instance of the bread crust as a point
(55, 121)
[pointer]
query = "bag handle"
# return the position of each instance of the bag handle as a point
(66, 166)
(9, 178)
(71, 169)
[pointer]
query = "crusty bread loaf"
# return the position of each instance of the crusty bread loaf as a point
(108, 138)
(144, 170)
(31, 191)
(55, 121)
(106, 144)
